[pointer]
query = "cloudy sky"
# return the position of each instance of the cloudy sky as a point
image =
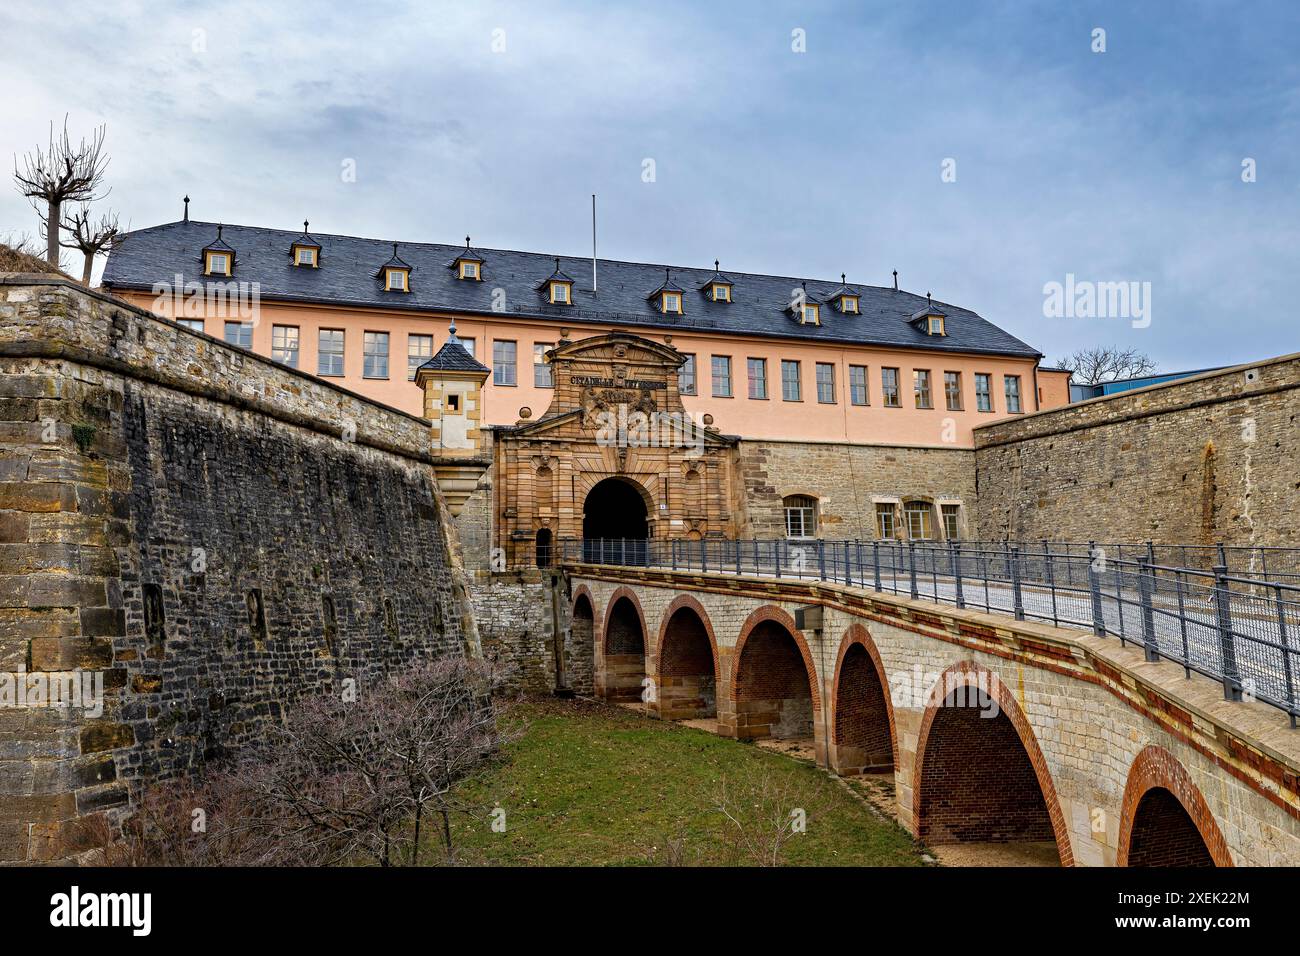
(981, 149)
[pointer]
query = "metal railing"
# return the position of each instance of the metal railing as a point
(1228, 621)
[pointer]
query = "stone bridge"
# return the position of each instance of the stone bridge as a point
(994, 730)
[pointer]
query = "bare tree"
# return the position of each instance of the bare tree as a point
(62, 173)
(90, 237)
(1107, 363)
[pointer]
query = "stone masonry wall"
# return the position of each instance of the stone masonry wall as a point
(847, 481)
(1204, 459)
(212, 533)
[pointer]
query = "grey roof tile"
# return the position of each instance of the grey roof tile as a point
(759, 303)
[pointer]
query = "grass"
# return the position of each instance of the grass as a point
(591, 784)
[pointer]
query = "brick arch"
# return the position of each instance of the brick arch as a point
(856, 634)
(584, 591)
(1155, 767)
(685, 600)
(770, 612)
(968, 671)
(609, 612)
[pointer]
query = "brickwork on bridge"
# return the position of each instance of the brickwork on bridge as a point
(1085, 715)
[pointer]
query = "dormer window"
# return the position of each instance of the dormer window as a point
(849, 304)
(671, 302)
(395, 274)
(668, 297)
(811, 314)
(718, 288)
(305, 251)
(844, 299)
(931, 319)
(557, 287)
(468, 265)
(216, 263)
(218, 258)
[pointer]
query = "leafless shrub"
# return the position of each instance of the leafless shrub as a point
(347, 778)
(91, 236)
(761, 816)
(1107, 363)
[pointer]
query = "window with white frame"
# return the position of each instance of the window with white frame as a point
(686, 376)
(757, 377)
(329, 352)
(889, 387)
(858, 384)
(983, 391)
(950, 515)
(284, 344)
(419, 349)
(376, 355)
(800, 516)
(193, 324)
(790, 386)
(919, 518)
(721, 374)
(885, 527)
(504, 357)
(542, 377)
(826, 383)
(1012, 385)
(240, 333)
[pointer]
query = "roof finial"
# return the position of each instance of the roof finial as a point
(218, 231)
(394, 250)
(467, 243)
(187, 208)
(305, 224)
(715, 266)
(667, 276)
(557, 263)
(928, 304)
(842, 278)
(451, 332)
(895, 280)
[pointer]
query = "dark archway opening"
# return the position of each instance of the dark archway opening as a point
(624, 653)
(614, 523)
(773, 687)
(580, 648)
(978, 784)
(687, 682)
(1164, 834)
(862, 739)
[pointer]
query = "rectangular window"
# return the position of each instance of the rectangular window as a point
(469, 345)
(1012, 385)
(983, 392)
(397, 280)
(885, 521)
(306, 257)
(952, 390)
(240, 333)
(889, 387)
(542, 368)
(800, 517)
(504, 354)
(284, 344)
(918, 516)
(329, 353)
(721, 376)
(826, 383)
(757, 378)
(673, 302)
(376, 355)
(921, 386)
(790, 386)
(419, 349)
(469, 270)
(686, 376)
(949, 514)
(194, 324)
(560, 293)
(218, 264)
(858, 384)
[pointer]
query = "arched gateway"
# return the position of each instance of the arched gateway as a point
(614, 456)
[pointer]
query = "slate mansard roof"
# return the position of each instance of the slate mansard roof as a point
(760, 305)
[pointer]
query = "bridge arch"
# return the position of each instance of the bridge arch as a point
(982, 779)
(686, 662)
(623, 646)
(863, 735)
(1164, 820)
(774, 689)
(580, 649)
